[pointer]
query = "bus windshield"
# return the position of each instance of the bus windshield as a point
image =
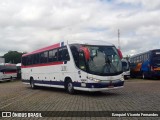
(156, 58)
(103, 60)
(125, 66)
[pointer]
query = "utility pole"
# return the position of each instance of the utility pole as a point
(119, 39)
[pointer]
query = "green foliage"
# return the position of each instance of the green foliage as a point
(13, 57)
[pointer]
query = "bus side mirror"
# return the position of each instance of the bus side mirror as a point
(120, 53)
(86, 53)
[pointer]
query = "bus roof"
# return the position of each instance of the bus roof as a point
(57, 45)
(144, 52)
(90, 42)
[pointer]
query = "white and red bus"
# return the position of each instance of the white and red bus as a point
(74, 65)
(8, 71)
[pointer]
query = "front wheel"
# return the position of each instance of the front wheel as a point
(32, 83)
(69, 87)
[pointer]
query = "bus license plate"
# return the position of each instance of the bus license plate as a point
(83, 84)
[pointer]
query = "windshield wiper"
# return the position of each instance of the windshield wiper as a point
(107, 61)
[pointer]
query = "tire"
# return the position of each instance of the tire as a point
(143, 76)
(125, 78)
(32, 83)
(69, 87)
(11, 78)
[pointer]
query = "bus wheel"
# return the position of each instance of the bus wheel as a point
(143, 76)
(11, 79)
(69, 87)
(32, 83)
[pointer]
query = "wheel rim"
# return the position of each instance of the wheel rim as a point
(70, 87)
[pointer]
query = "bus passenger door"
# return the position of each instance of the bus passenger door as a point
(83, 69)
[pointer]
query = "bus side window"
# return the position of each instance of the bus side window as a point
(50, 56)
(29, 60)
(24, 61)
(55, 55)
(44, 57)
(65, 54)
(60, 54)
(82, 64)
(36, 59)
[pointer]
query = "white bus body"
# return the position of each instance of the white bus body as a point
(126, 69)
(69, 65)
(7, 72)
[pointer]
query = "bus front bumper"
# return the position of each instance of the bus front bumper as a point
(93, 87)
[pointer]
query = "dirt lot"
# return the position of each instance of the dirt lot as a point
(137, 95)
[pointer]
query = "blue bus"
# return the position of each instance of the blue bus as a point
(146, 65)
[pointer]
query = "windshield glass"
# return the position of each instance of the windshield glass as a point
(104, 60)
(125, 66)
(156, 58)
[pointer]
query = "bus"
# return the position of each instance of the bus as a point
(8, 71)
(74, 65)
(146, 65)
(126, 68)
(18, 65)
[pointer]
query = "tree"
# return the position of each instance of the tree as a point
(13, 57)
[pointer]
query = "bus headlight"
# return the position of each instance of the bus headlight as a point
(122, 78)
(96, 80)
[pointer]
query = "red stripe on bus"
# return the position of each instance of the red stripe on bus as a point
(44, 64)
(10, 72)
(44, 49)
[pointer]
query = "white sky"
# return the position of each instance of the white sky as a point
(27, 25)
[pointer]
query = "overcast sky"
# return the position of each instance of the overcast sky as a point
(27, 25)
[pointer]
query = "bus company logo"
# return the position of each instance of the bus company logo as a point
(21, 114)
(6, 114)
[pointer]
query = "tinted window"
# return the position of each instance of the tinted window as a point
(29, 60)
(44, 57)
(52, 55)
(23, 60)
(36, 59)
(63, 54)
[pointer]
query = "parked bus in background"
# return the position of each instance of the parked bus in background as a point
(18, 70)
(7, 71)
(146, 65)
(126, 68)
(74, 65)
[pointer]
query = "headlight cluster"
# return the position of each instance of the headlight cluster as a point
(94, 79)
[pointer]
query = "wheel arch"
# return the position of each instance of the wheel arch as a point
(31, 78)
